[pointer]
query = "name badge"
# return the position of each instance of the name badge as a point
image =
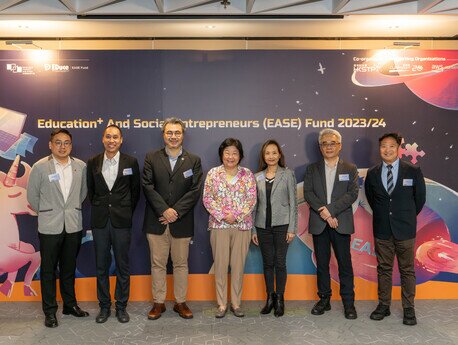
(54, 177)
(188, 173)
(344, 177)
(127, 171)
(407, 182)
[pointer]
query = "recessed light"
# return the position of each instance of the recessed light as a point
(210, 26)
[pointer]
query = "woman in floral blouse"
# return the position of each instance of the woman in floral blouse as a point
(229, 196)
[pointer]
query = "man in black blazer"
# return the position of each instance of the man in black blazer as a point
(172, 183)
(113, 180)
(330, 188)
(396, 192)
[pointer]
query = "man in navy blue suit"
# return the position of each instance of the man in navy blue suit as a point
(396, 192)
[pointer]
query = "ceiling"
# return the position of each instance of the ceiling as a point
(212, 7)
(240, 18)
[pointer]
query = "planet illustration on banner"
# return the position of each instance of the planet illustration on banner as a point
(432, 78)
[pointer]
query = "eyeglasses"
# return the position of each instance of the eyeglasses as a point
(62, 143)
(332, 144)
(171, 134)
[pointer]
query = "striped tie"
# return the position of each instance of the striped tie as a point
(389, 179)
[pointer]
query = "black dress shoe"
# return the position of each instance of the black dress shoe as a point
(409, 317)
(380, 312)
(75, 311)
(122, 315)
(51, 320)
(103, 316)
(321, 306)
(350, 312)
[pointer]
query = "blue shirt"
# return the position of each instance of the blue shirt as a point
(173, 160)
(394, 170)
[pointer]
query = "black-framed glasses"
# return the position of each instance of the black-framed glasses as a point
(62, 143)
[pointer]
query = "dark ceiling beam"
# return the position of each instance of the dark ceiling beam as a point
(209, 16)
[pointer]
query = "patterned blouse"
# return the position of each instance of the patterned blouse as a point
(237, 196)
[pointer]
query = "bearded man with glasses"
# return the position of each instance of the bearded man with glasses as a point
(330, 188)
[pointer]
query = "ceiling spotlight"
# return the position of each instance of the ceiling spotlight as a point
(225, 3)
(210, 26)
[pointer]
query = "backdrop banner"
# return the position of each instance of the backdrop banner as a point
(253, 96)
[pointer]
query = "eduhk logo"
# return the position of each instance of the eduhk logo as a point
(20, 69)
(56, 68)
(13, 68)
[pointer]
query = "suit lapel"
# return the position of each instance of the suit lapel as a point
(165, 160)
(179, 162)
(401, 171)
(322, 173)
(99, 166)
(278, 177)
(379, 178)
(74, 177)
(339, 170)
(121, 166)
(261, 178)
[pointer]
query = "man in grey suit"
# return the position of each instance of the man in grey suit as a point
(56, 190)
(330, 188)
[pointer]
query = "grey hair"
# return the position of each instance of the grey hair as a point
(173, 121)
(331, 131)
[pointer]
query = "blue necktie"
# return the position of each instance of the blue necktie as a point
(389, 179)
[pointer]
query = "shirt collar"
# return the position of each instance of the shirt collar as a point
(330, 166)
(113, 160)
(394, 164)
(173, 157)
(61, 164)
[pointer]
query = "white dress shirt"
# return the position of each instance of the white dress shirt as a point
(110, 169)
(65, 176)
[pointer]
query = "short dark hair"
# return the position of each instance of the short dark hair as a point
(174, 121)
(114, 126)
(394, 135)
(230, 142)
(262, 163)
(58, 131)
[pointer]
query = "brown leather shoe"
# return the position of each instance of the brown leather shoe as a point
(156, 311)
(183, 310)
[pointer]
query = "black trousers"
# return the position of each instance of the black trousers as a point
(273, 245)
(341, 245)
(59, 249)
(118, 239)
